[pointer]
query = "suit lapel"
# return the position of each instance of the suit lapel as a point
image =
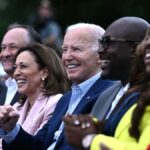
(3, 91)
(89, 96)
(15, 98)
(86, 103)
(35, 111)
(125, 122)
(56, 120)
(104, 102)
(23, 113)
(120, 111)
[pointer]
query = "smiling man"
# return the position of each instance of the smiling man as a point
(17, 36)
(118, 53)
(81, 60)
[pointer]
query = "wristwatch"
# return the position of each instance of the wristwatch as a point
(87, 140)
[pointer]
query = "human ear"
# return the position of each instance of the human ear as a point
(44, 73)
(133, 51)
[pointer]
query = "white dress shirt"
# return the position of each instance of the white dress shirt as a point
(78, 91)
(84, 87)
(11, 90)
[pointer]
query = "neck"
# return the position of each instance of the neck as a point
(32, 98)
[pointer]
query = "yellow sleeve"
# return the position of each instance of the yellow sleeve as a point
(122, 139)
(111, 142)
(120, 144)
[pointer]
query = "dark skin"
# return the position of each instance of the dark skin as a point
(104, 147)
(72, 131)
(119, 57)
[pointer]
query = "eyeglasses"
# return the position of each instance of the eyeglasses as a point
(105, 42)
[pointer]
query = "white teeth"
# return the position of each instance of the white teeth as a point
(105, 61)
(72, 66)
(20, 81)
(147, 55)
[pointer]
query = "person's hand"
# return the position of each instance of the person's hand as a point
(104, 147)
(77, 127)
(8, 118)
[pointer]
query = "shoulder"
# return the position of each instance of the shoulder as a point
(2, 84)
(55, 97)
(52, 100)
(105, 82)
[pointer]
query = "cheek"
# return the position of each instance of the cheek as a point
(34, 83)
(33, 75)
(63, 62)
(14, 52)
(148, 70)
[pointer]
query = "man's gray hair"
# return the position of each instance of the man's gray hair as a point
(95, 30)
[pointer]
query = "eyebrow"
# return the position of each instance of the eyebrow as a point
(21, 63)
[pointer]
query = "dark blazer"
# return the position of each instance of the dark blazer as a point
(44, 137)
(102, 105)
(3, 92)
(122, 107)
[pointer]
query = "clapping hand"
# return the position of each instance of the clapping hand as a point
(78, 126)
(8, 118)
(104, 147)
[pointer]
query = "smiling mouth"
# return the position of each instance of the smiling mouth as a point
(105, 61)
(72, 66)
(147, 55)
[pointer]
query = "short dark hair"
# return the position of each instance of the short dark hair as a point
(33, 35)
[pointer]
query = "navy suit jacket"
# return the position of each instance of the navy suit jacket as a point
(44, 137)
(123, 106)
(3, 92)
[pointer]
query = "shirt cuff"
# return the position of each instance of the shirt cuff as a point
(10, 136)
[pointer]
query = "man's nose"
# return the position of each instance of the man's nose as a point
(68, 55)
(6, 52)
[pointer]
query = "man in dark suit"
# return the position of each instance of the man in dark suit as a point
(17, 36)
(81, 60)
(117, 53)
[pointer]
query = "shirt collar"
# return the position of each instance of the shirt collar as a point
(11, 82)
(85, 86)
(126, 87)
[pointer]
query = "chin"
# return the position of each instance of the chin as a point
(21, 91)
(104, 75)
(71, 76)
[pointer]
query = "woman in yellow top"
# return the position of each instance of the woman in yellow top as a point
(133, 130)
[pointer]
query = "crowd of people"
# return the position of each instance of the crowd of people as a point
(94, 96)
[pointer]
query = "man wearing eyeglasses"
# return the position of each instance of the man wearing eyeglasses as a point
(82, 63)
(117, 52)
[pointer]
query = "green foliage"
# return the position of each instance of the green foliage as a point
(101, 12)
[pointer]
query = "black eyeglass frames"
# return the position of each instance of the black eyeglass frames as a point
(104, 43)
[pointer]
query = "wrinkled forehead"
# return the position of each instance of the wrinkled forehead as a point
(18, 36)
(77, 37)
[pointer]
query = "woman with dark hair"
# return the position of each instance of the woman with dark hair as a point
(41, 77)
(133, 130)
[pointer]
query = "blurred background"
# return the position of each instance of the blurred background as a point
(66, 12)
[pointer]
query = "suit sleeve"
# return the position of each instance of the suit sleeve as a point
(23, 141)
